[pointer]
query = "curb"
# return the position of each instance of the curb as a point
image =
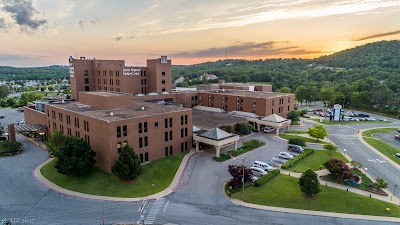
(309, 212)
(173, 186)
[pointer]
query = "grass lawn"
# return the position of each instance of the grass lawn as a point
(384, 148)
(284, 191)
(315, 160)
(306, 139)
(297, 132)
(97, 182)
(327, 122)
(369, 133)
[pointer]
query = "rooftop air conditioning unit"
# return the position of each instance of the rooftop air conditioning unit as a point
(111, 114)
(142, 108)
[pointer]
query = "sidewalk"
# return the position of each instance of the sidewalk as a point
(174, 184)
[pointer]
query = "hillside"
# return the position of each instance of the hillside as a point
(33, 73)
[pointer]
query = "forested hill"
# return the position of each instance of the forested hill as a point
(384, 54)
(33, 73)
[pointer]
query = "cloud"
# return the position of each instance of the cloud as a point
(24, 14)
(379, 35)
(262, 49)
(2, 24)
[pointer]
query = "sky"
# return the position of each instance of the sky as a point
(47, 32)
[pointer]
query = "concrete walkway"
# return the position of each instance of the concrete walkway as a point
(178, 176)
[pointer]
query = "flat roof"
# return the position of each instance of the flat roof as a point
(208, 120)
(105, 93)
(150, 109)
(254, 94)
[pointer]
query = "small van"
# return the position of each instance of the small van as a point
(295, 148)
(268, 129)
(257, 171)
(262, 165)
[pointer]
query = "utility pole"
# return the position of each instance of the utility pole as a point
(244, 157)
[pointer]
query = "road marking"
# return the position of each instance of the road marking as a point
(380, 161)
(151, 216)
(371, 160)
(166, 205)
(343, 135)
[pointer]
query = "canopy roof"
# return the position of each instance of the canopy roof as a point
(274, 118)
(29, 128)
(216, 134)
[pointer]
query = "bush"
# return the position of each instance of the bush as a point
(222, 157)
(242, 129)
(293, 161)
(303, 112)
(338, 168)
(247, 146)
(10, 148)
(267, 177)
(297, 141)
(251, 127)
(227, 128)
(237, 175)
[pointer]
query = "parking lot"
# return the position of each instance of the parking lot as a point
(389, 138)
(10, 116)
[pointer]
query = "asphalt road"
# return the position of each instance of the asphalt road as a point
(389, 138)
(198, 199)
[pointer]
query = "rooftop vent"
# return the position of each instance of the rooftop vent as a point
(142, 108)
(62, 101)
(111, 114)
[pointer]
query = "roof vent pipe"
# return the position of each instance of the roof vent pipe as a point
(111, 114)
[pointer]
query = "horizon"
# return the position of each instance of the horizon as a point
(44, 33)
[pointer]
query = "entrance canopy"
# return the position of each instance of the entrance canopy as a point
(273, 120)
(30, 128)
(217, 138)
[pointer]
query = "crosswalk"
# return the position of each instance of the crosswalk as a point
(151, 216)
(343, 135)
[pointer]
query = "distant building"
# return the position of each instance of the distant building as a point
(179, 80)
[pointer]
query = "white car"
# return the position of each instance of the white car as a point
(285, 155)
(372, 119)
(269, 129)
(20, 122)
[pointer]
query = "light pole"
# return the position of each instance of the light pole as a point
(41, 135)
(366, 169)
(344, 150)
(244, 157)
(344, 99)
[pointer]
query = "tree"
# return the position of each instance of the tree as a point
(294, 115)
(284, 90)
(237, 174)
(301, 94)
(75, 157)
(4, 91)
(297, 141)
(309, 183)
(42, 89)
(327, 94)
(50, 88)
(1, 130)
(380, 184)
(54, 142)
(318, 132)
(330, 147)
(11, 102)
(338, 168)
(128, 165)
(356, 164)
(30, 97)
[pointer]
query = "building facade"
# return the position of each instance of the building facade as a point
(115, 76)
(108, 121)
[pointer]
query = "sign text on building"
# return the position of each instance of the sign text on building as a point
(128, 71)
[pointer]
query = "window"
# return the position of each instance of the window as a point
(118, 132)
(69, 132)
(288, 108)
(156, 124)
(141, 158)
(77, 122)
(166, 123)
(144, 73)
(170, 150)
(145, 127)
(146, 142)
(163, 73)
(166, 136)
(186, 119)
(163, 81)
(273, 101)
(186, 132)
(182, 147)
(86, 80)
(141, 82)
(86, 125)
(163, 89)
(170, 122)
(254, 102)
(140, 142)
(272, 111)
(181, 120)
(125, 143)
(288, 100)
(86, 88)
(186, 146)
(166, 151)
(146, 157)
(182, 133)
(125, 131)
(140, 128)
(170, 135)
(86, 72)
(119, 147)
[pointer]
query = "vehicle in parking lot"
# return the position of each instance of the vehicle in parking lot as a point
(254, 178)
(295, 148)
(2, 117)
(262, 165)
(258, 171)
(346, 118)
(20, 109)
(20, 122)
(397, 136)
(285, 155)
(397, 155)
(269, 129)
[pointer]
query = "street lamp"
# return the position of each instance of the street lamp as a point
(344, 150)
(344, 98)
(244, 157)
(8, 138)
(41, 135)
(366, 169)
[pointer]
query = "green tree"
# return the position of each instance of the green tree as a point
(75, 157)
(309, 183)
(381, 94)
(318, 132)
(356, 164)
(301, 94)
(30, 97)
(128, 165)
(284, 90)
(294, 115)
(330, 147)
(54, 142)
(4, 91)
(42, 89)
(327, 94)
(380, 184)
(10, 102)
(297, 141)
(50, 88)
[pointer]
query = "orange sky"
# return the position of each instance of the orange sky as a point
(47, 32)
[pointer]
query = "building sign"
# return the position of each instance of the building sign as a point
(164, 59)
(129, 71)
(71, 67)
(337, 109)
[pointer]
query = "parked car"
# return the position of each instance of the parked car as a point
(372, 119)
(397, 136)
(285, 155)
(2, 117)
(262, 165)
(20, 109)
(20, 122)
(361, 119)
(258, 171)
(397, 155)
(295, 148)
(254, 178)
(346, 118)
(269, 129)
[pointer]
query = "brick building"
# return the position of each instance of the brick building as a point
(115, 76)
(107, 121)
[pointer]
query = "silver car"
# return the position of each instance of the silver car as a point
(285, 155)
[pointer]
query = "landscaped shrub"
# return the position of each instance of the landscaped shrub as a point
(242, 129)
(10, 148)
(293, 161)
(237, 174)
(251, 127)
(297, 141)
(267, 177)
(127, 166)
(338, 168)
(247, 146)
(222, 157)
(226, 128)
